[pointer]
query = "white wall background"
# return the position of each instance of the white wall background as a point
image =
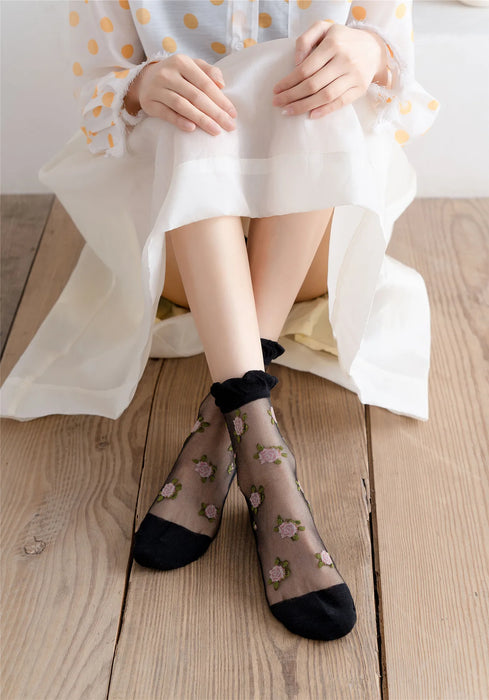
(38, 112)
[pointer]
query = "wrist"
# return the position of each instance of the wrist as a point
(383, 74)
(131, 99)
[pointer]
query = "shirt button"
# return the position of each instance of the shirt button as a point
(237, 44)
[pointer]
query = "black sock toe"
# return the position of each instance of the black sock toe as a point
(161, 544)
(326, 614)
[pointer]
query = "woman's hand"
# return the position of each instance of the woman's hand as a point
(336, 64)
(184, 92)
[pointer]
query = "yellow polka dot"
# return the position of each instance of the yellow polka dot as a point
(434, 104)
(108, 98)
(121, 73)
(124, 4)
(127, 51)
(401, 136)
(400, 11)
(112, 123)
(96, 111)
(329, 20)
(92, 46)
(95, 93)
(303, 4)
(390, 51)
(143, 15)
(249, 42)
(169, 44)
(239, 17)
(264, 19)
(74, 18)
(77, 69)
(111, 141)
(89, 140)
(106, 25)
(93, 133)
(217, 46)
(190, 21)
(359, 12)
(217, 2)
(405, 107)
(84, 130)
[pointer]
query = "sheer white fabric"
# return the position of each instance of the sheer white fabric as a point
(371, 333)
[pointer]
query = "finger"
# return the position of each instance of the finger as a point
(337, 90)
(311, 85)
(309, 39)
(162, 111)
(177, 100)
(212, 71)
(217, 101)
(307, 44)
(349, 96)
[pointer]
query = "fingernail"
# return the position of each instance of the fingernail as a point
(287, 110)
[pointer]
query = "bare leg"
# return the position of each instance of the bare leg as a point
(281, 250)
(315, 283)
(213, 262)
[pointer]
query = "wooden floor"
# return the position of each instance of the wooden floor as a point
(402, 506)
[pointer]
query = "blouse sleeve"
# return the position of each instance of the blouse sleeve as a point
(405, 106)
(106, 56)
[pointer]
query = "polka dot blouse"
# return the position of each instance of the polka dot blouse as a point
(112, 40)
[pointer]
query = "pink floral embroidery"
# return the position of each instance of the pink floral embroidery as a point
(170, 490)
(199, 425)
(205, 469)
(239, 423)
(209, 510)
(269, 455)
(324, 559)
(288, 528)
(257, 496)
(255, 500)
(279, 572)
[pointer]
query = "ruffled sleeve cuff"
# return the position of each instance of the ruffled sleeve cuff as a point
(405, 107)
(105, 120)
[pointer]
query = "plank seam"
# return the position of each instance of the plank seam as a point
(130, 559)
(374, 544)
(21, 296)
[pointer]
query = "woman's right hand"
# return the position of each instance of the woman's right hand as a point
(181, 90)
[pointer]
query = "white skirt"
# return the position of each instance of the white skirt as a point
(370, 333)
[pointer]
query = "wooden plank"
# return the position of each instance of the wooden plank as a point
(431, 479)
(23, 217)
(69, 488)
(205, 631)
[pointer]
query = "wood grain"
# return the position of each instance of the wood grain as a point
(69, 489)
(431, 479)
(205, 631)
(23, 217)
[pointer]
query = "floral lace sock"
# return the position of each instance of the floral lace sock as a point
(186, 514)
(302, 584)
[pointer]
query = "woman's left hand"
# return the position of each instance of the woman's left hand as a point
(336, 67)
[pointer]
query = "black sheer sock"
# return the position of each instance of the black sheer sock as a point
(186, 514)
(302, 584)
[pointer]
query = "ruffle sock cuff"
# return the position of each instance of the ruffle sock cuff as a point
(236, 391)
(271, 350)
